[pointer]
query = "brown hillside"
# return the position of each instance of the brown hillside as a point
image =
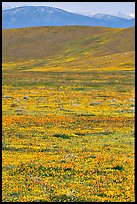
(45, 42)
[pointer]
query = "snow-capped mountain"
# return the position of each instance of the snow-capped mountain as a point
(28, 16)
(104, 16)
(126, 15)
(114, 21)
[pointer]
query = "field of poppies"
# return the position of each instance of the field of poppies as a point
(68, 133)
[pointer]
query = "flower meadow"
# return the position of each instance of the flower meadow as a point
(68, 134)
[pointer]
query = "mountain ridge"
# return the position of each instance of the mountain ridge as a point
(30, 16)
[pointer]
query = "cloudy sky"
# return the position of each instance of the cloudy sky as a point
(86, 8)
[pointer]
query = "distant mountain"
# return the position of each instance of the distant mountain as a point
(126, 15)
(29, 16)
(120, 15)
(115, 20)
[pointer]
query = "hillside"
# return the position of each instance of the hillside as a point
(68, 114)
(60, 42)
(29, 16)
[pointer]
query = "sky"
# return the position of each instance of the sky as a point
(86, 8)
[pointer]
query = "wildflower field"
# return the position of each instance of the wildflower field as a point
(68, 131)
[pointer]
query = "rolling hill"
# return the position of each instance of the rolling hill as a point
(29, 16)
(68, 113)
(65, 42)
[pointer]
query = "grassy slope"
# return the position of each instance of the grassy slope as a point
(72, 137)
(45, 42)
